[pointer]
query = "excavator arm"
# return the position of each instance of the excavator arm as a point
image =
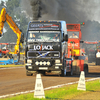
(5, 17)
(2, 20)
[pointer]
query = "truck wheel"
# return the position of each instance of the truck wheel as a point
(43, 73)
(63, 72)
(86, 69)
(28, 73)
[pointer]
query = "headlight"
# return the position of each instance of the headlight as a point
(41, 63)
(29, 61)
(56, 67)
(48, 63)
(57, 61)
(56, 55)
(29, 67)
(37, 63)
(44, 62)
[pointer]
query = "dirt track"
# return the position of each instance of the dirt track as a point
(15, 80)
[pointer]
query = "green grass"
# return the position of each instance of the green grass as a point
(3, 66)
(66, 92)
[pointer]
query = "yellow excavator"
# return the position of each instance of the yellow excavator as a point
(4, 17)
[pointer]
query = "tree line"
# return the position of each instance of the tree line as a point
(13, 8)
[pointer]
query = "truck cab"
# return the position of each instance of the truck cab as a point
(46, 47)
(75, 49)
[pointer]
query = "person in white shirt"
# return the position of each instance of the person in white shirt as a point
(98, 54)
(98, 57)
(73, 36)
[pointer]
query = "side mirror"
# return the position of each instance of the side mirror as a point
(66, 38)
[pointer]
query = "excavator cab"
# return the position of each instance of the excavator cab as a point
(5, 56)
(4, 50)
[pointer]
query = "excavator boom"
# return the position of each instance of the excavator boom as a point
(5, 17)
(2, 20)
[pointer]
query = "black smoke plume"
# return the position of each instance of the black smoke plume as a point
(36, 8)
(72, 11)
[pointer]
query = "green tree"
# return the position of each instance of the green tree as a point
(1, 5)
(14, 10)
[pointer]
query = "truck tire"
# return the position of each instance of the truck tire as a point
(43, 73)
(86, 69)
(63, 72)
(28, 73)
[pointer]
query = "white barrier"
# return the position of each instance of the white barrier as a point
(39, 91)
(81, 83)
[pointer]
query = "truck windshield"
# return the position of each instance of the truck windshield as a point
(43, 36)
(73, 34)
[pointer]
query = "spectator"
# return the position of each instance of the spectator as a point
(56, 37)
(98, 57)
(34, 36)
(73, 36)
(98, 54)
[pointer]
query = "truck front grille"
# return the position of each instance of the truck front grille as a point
(43, 54)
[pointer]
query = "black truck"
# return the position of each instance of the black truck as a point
(46, 47)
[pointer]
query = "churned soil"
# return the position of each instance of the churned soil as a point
(15, 80)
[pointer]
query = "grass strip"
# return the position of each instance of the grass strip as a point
(63, 93)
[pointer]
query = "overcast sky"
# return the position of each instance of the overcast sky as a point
(2, 0)
(69, 10)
